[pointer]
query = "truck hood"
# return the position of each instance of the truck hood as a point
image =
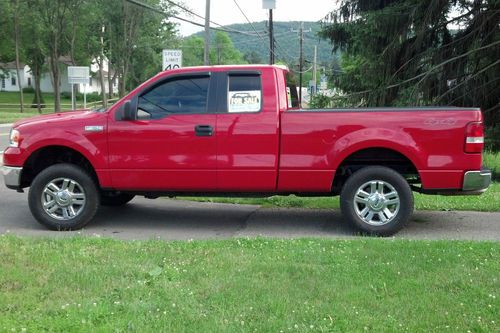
(54, 118)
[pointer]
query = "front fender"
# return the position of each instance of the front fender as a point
(91, 145)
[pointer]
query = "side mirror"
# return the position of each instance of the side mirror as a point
(128, 111)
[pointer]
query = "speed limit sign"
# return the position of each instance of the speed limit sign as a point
(172, 59)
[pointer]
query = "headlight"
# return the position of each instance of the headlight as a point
(14, 138)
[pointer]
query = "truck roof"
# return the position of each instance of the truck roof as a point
(226, 67)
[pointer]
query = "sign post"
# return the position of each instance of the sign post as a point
(172, 59)
(78, 75)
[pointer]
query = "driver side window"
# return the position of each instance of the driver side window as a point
(178, 96)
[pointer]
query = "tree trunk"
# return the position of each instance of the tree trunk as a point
(110, 80)
(16, 38)
(121, 88)
(101, 81)
(37, 73)
(54, 68)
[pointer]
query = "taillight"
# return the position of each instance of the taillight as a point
(474, 137)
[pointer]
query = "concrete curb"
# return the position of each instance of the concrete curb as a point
(5, 125)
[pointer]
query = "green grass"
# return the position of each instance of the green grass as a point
(488, 202)
(492, 161)
(9, 114)
(248, 285)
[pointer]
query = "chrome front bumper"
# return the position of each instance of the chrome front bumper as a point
(12, 176)
(476, 181)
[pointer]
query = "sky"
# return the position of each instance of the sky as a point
(226, 12)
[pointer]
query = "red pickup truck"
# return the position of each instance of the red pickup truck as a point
(232, 131)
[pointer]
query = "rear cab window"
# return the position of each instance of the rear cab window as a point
(244, 93)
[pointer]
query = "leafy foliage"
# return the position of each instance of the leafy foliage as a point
(222, 51)
(319, 101)
(418, 52)
(130, 38)
(256, 49)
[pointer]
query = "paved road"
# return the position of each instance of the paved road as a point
(174, 219)
(182, 220)
(4, 136)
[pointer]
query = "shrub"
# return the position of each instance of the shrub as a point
(29, 90)
(320, 101)
(34, 103)
(91, 97)
(492, 161)
(66, 94)
(492, 138)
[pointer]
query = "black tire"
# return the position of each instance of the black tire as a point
(79, 184)
(114, 199)
(356, 210)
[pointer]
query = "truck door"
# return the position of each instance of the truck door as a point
(247, 131)
(172, 144)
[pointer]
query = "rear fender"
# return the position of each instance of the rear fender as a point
(375, 138)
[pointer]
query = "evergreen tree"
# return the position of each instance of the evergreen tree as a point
(418, 52)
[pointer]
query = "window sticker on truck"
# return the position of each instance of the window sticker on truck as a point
(244, 101)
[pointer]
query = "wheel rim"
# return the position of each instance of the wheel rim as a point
(376, 202)
(63, 199)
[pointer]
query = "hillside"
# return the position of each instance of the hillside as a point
(287, 48)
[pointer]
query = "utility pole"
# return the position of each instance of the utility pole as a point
(271, 38)
(206, 57)
(313, 92)
(301, 60)
(270, 4)
(301, 57)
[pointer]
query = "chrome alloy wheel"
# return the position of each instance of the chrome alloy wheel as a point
(376, 202)
(63, 199)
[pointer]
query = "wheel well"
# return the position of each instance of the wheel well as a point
(371, 157)
(47, 156)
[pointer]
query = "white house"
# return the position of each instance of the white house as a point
(46, 79)
(9, 79)
(94, 85)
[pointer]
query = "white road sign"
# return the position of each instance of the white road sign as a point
(268, 4)
(78, 74)
(172, 59)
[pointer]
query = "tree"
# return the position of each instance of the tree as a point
(55, 16)
(155, 34)
(17, 40)
(35, 51)
(418, 52)
(6, 27)
(253, 57)
(192, 51)
(224, 52)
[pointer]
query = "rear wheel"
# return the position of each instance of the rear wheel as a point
(377, 200)
(115, 198)
(63, 197)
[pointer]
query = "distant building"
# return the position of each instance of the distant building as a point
(9, 79)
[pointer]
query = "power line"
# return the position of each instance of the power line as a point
(203, 18)
(159, 11)
(253, 27)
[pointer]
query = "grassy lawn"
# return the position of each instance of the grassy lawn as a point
(488, 202)
(248, 285)
(492, 161)
(9, 114)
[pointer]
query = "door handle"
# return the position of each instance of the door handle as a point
(203, 130)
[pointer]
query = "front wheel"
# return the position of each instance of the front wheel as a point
(63, 197)
(377, 200)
